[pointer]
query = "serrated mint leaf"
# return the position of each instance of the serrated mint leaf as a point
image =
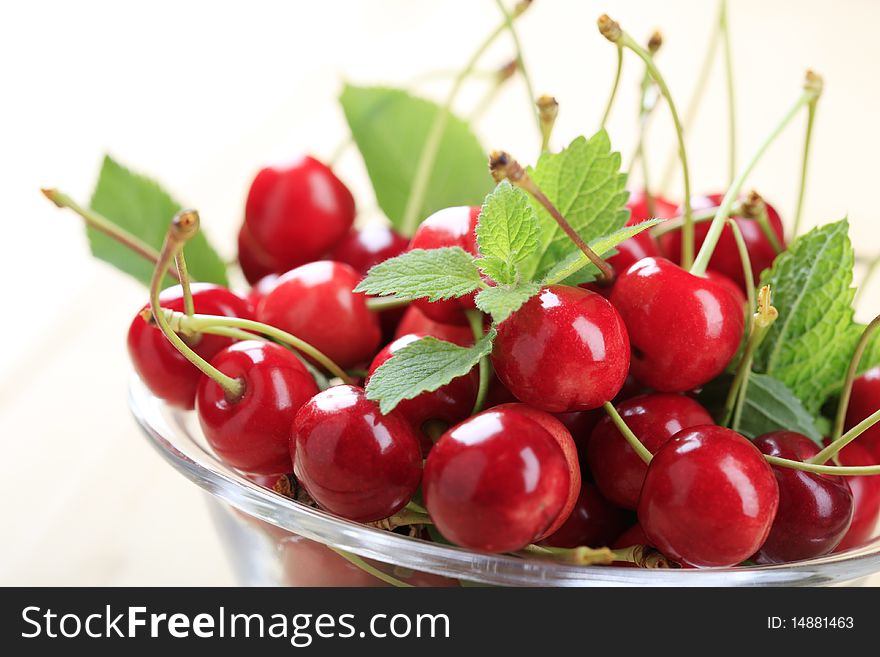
(434, 274)
(501, 301)
(140, 206)
(770, 406)
(576, 268)
(809, 347)
(390, 128)
(585, 184)
(423, 366)
(507, 232)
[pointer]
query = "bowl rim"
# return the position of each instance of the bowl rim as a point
(175, 434)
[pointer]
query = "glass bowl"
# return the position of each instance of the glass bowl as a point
(272, 540)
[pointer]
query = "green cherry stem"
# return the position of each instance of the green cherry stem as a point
(548, 110)
(640, 555)
(180, 261)
(700, 217)
(832, 450)
(761, 323)
(518, 10)
(500, 78)
(378, 304)
(812, 89)
(612, 31)
(811, 115)
(748, 276)
(425, 165)
(475, 318)
(724, 28)
(631, 438)
(646, 108)
(367, 568)
(846, 392)
(107, 227)
(839, 470)
(756, 208)
(614, 87)
(184, 225)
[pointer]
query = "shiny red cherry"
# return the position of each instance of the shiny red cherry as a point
(255, 263)
(566, 349)
(363, 248)
(642, 245)
(684, 329)
(725, 258)
(448, 227)
(298, 212)
(495, 482)
(252, 433)
(864, 401)
(866, 498)
(415, 321)
(734, 289)
(618, 471)
(709, 498)
(594, 522)
(316, 303)
(815, 510)
(162, 368)
(353, 460)
(563, 438)
(261, 288)
(450, 403)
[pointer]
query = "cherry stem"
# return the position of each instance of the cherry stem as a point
(206, 323)
(402, 519)
(475, 318)
(501, 77)
(674, 224)
(693, 107)
(646, 108)
(504, 167)
(367, 568)
(811, 115)
(631, 438)
(614, 87)
(761, 323)
(748, 276)
(379, 304)
(846, 392)
(640, 555)
(518, 10)
(548, 110)
(184, 225)
(724, 28)
(418, 508)
(756, 208)
(180, 261)
(839, 470)
(812, 89)
(612, 31)
(425, 165)
(108, 228)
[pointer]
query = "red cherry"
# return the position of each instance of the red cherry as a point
(865, 399)
(594, 522)
(580, 425)
(316, 303)
(566, 349)
(655, 418)
(495, 482)
(725, 258)
(709, 498)
(642, 245)
(415, 321)
(635, 535)
(734, 289)
(162, 368)
(255, 263)
(448, 227)
(815, 510)
(450, 403)
(353, 460)
(866, 497)
(684, 329)
(252, 433)
(261, 288)
(298, 212)
(563, 438)
(372, 244)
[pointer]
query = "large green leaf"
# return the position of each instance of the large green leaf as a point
(140, 206)
(390, 127)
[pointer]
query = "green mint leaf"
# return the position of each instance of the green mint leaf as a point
(144, 209)
(390, 128)
(434, 274)
(423, 366)
(500, 302)
(770, 406)
(585, 184)
(507, 232)
(809, 347)
(576, 268)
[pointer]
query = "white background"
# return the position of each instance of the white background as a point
(201, 94)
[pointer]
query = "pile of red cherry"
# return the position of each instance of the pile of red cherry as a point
(541, 463)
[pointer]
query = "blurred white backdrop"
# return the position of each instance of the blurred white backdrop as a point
(200, 94)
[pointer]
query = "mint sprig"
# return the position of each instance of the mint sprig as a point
(432, 274)
(770, 406)
(507, 233)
